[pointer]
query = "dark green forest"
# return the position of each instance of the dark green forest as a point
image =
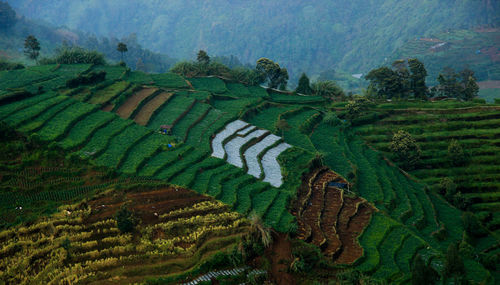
(353, 36)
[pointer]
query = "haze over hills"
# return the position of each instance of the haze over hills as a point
(354, 36)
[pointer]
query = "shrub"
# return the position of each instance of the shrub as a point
(357, 106)
(5, 65)
(309, 254)
(472, 225)
(448, 188)
(74, 55)
(125, 220)
(332, 119)
(456, 154)
(460, 201)
(405, 149)
(91, 78)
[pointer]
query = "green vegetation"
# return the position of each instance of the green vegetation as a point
(456, 48)
(313, 44)
(409, 219)
(457, 143)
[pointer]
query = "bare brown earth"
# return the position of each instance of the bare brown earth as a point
(146, 205)
(280, 254)
(142, 118)
(127, 108)
(330, 217)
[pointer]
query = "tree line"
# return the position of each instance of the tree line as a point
(405, 79)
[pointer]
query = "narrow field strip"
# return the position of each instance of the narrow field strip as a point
(170, 111)
(251, 154)
(271, 167)
(85, 128)
(33, 110)
(181, 126)
(127, 108)
(105, 95)
(144, 115)
(163, 159)
(231, 128)
(8, 109)
(39, 121)
(143, 151)
(100, 138)
(120, 144)
(232, 148)
(59, 124)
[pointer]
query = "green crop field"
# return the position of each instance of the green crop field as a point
(408, 215)
(474, 128)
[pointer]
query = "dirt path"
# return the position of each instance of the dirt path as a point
(280, 254)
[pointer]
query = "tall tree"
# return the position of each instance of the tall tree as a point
(385, 82)
(448, 83)
(7, 16)
(417, 78)
(327, 89)
(304, 86)
(32, 48)
(122, 48)
(469, 84)
(276, 76)
(203, 57)
(400, 68)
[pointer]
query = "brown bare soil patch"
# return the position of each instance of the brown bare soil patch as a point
(127, 108)
(147, 206)
(280, 254)
(331, 217)
(142, 118)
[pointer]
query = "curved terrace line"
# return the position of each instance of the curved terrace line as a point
(233, 147)
(252, 153)
(231, 128)
(271, 166)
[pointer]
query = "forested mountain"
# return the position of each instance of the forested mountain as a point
(15, 28)
(310, 36)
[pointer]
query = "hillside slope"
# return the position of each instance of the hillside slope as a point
(214, 129)
(349, 35)
(475, 49)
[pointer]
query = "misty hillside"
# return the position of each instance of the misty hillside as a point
(303, 36)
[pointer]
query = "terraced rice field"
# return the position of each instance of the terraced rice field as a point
(475, 128)
(186, 227)
(127, 108)
(401, 200)
(387, 219)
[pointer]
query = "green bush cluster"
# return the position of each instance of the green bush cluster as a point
(72, 55)
(85, 79)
